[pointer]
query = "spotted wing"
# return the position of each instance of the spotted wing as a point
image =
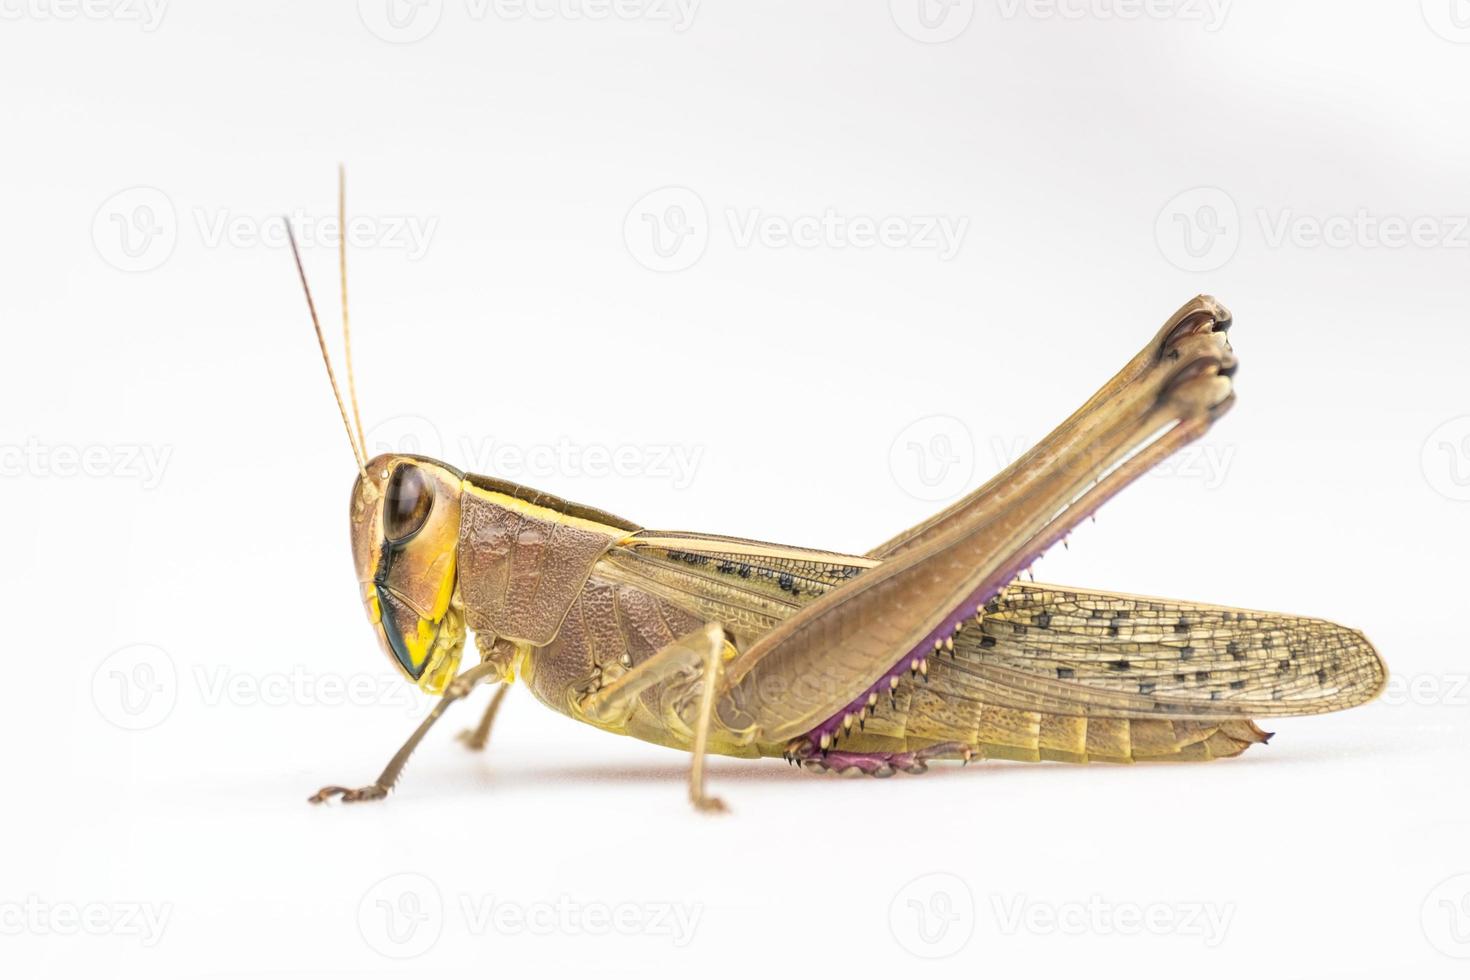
(1067, 651)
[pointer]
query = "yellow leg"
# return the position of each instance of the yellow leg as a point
(458, 688)
(713, 661)
(478, 737)
(702, 650)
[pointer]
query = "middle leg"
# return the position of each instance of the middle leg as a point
(475, 739)
(702, 653)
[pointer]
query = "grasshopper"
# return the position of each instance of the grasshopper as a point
(927, 647)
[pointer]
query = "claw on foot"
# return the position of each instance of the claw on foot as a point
(709, 804)
(373, 792)
(473, 740)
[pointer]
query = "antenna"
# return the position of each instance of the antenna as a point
(357, 453)
(346, 328)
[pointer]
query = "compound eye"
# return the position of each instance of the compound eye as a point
(407, 503)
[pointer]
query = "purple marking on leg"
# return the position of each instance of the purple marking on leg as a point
(988, 589)
(879, 764)
(833, 726)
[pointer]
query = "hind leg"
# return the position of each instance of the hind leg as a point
(821, 669)
(1190, 324)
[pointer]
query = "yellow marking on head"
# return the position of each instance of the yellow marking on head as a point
(418, 641)
(446, 589)
(435, 681)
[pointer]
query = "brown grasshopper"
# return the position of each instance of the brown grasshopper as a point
(927, 647)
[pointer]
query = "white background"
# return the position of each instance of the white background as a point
(181, 616)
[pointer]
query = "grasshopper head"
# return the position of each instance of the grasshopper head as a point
(405, 532)
(405, 524)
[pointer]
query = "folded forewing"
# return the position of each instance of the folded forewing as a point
(1068, 651)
